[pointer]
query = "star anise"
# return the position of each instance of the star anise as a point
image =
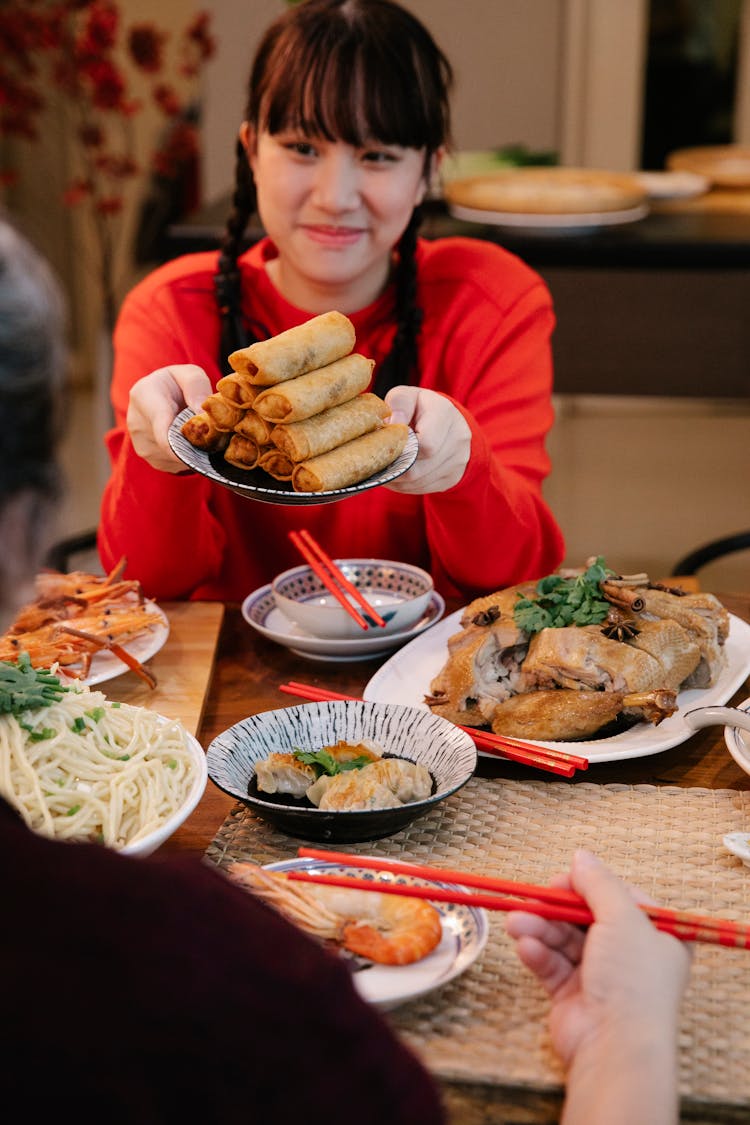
(621, 630)
(487, 616)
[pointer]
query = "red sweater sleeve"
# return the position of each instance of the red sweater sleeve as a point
(160, 324)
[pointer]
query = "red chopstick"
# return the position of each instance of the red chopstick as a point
(330, 575)
(525, 753)
(548, 902)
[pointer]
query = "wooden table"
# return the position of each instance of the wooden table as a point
(248, 669)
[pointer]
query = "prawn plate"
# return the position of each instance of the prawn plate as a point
(106, 666)
(464, 936)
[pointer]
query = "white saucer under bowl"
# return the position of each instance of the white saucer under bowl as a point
(260, 611)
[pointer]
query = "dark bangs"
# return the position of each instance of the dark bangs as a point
(355, 71)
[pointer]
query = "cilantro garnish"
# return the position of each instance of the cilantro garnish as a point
(565, 601)
(322, 762)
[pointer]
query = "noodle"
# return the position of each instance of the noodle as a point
(90, 769)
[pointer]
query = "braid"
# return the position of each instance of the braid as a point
(227, 280)
(400, 366)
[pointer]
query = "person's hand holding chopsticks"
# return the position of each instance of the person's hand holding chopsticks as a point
(615, 989)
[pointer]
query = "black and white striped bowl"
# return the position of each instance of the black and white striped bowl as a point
(406, 732)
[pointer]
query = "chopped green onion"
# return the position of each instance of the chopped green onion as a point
(24, 688)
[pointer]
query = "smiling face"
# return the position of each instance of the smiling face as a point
(334, 211)
(347, 110)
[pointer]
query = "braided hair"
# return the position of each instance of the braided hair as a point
(306, 67)
(227, 283)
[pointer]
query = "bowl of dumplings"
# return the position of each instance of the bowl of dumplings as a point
(342, 771)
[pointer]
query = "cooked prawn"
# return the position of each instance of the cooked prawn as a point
(389, 929)
(76, 615)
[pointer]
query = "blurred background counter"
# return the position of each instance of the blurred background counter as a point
(652, 307)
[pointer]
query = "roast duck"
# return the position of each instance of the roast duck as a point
(579, 654)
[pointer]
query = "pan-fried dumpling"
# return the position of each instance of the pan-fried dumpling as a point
(410, 781)
(283, 773)
(354, 790)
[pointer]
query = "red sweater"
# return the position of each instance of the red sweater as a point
(485, 343)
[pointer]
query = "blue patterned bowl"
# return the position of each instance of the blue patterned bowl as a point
(399, 592)
(406, 732)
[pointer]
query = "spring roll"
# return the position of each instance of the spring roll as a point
(276, 464)
(324, 431)
(313, 344)
(201, 431)
(317, 390)
(224, 414)
(253, 426)
(352, 462)
(238, 389)
(243, 452)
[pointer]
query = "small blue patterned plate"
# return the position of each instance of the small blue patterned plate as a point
(261, 612)
(465, 931)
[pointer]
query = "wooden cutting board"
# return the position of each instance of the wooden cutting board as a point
(182, 667)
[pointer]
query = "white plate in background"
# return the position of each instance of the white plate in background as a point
(673, 185)
(540, 222)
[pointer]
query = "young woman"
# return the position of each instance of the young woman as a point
(345, 125)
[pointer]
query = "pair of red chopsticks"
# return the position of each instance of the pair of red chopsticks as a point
(334, 580)
(548, 902)
(526, 753)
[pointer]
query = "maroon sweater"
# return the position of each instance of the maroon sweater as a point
(153, 990)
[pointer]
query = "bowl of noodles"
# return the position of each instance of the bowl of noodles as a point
(82, 768)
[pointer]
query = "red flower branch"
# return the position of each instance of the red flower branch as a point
(80, 50)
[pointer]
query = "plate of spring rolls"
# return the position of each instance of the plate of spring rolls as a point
(294, 423)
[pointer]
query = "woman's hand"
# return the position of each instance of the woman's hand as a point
(444, 439)
(615, 990)
(155, 401)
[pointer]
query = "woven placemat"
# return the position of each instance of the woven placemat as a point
(488, 1027)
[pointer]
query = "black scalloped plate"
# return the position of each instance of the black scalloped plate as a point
(255, 484)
